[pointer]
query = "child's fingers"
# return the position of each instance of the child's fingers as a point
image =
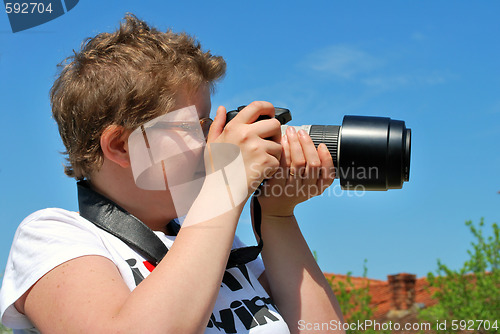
(285, 156)
(313, 162)
(327, 168)
(218, 124)
(297, 159)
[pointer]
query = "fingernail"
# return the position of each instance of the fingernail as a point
(302, 133)
(291, 130)
(284, 139)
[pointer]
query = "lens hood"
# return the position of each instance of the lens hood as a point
(374, 152)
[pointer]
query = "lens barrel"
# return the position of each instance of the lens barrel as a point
(369, 153)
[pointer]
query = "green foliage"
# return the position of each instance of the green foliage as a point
(355, 303)
(4, 330)
(470, 295)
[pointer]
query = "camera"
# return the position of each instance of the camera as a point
(369, 153)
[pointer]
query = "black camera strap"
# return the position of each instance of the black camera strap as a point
(112, 218)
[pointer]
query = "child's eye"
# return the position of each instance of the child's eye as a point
(186, 126)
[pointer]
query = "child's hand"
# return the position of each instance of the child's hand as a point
(304, 172)
(259, 142)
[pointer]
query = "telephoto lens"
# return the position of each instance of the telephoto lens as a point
(369, 153)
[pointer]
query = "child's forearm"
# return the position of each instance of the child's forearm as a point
(297, 284)
(182, 290)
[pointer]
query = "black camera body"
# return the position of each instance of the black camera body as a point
(281, 114)
(369, 153)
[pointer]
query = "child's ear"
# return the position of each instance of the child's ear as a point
(114, 145)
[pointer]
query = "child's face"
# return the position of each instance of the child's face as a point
(166, 153)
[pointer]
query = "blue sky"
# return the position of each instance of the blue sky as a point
(434, 64)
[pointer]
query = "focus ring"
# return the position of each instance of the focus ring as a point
(329, 135)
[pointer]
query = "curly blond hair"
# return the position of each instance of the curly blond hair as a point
(125, 78)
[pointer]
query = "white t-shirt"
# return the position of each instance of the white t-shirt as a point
(50, 237)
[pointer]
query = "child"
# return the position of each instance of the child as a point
(66, 274)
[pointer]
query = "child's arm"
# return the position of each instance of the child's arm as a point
(296, 283)
(88, 295)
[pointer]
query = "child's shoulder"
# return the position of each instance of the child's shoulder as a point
(52, 217)
(52, 214)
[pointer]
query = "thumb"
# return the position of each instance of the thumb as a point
(218, 124)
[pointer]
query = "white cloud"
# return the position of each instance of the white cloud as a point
(386, 71)
(342, 61)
